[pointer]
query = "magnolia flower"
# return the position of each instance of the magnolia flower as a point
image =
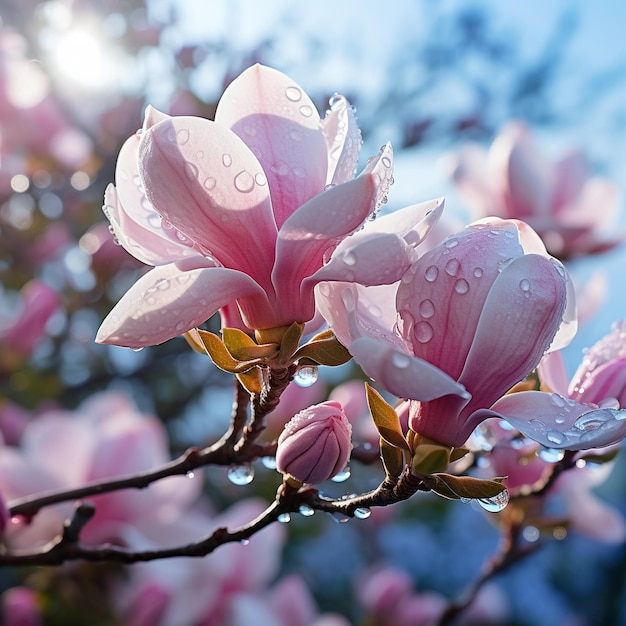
(315, 444)
(475, 315)
(572, 212)
(250, 208)
(19, 607)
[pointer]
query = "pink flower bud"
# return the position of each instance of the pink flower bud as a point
(315, 443)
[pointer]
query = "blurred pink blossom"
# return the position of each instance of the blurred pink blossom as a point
(315, 444)
(20, 608)
(573, 212)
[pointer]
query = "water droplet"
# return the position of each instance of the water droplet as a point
(334, 101)
(305, 510)
(362, 513)
(557, 400)
(342, 476)
(588, 421)
(451, 243)
(386, 161)
(452, 267)
(504, 263)
(524, 284)
(190, 475)
(138, 349)
(244, 542)
(182, 136)
(306, 110)
(269, 462)
(306, 376)
(400, 360)
(551, 455)
(340, 518)
(227, 160)
(191, 171)
(426, 309)
(260, 179)
(200, 154)
(293, 93)
(461, 286)
(241, 474)
(554, 436)
(349, 258)
(244, 182)
(431, 273)
(163, 284)
(210, 183)
(284, 518)
(478, 272)
(423, 332)
(495, 504)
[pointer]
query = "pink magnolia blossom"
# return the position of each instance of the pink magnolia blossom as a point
(105, 437)
(573, 212)
(476, 313)
(20, 608)
(250, 208)
(315, 444)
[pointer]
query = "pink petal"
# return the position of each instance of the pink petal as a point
(553, 374)
(204, 180)
(143, 237)
(570, 172)
(167, 302)
(519, 319)
(557, 422)
(403, 375)
(441, 297)
(280, 124)
(343, 137)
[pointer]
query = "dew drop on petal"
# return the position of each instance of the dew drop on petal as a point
(190, 475)
(244, 542)
(260, 179)
(495, 504)
(362, 513)
(423, 332)
(588, 421)
(335, 100)
(227, 160)
(284, 518)
(293, 93)
(244, 182)
(306, 110)
(426, 309)
(386, 161)
(210, 183)
(452, 267)
(550, 455)
(349, 258)
(342, 476)
(524, 284)
(241, 474)
(400, 360)
(431, 273)
(191, 171)
(306, 376)
(451, 243)
(557, 400)
(461, 286)
(305, 510)
(478, 272)
(182, 136)
(556, 437)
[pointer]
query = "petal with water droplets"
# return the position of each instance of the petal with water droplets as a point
(167, 302)
(557, 422)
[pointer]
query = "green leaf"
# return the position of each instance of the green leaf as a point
(243, 348)
(468, 486)
(429, 458)
(222, 357)
(324, 351)
(457, 453)
(290, 341)
(385, 419)
(392, 457)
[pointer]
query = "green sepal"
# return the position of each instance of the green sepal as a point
(243, 348)
(323, 349)
(457, 487)
(251, 381)
(289, 342)
(429, 458)
(385, 419)
(222, 357)
(392, 458)
(457, 453)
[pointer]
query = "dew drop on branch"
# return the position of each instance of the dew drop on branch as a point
(241, 474)
(342, 476)
(306, 376)
(495, 504)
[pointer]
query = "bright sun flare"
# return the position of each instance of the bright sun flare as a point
(80, 57)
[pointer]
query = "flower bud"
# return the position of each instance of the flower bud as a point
(20, 608)
(315, 443)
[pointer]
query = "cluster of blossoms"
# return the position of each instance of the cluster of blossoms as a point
(260, 217)
(273, 229)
